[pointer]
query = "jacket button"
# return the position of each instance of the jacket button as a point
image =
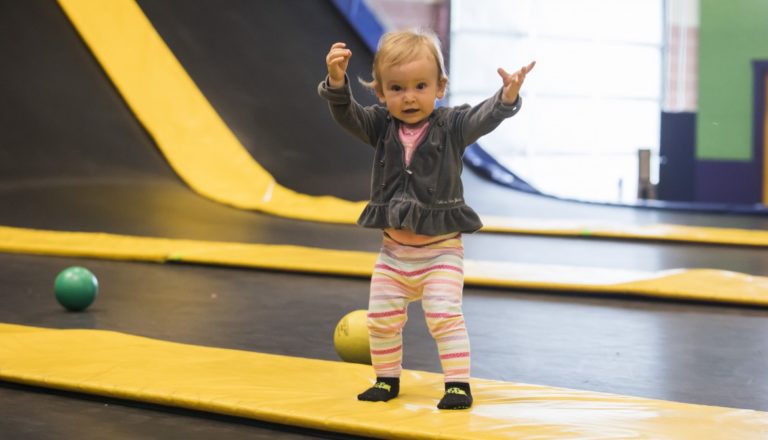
(431, 190)
(383, 185)
(441, 123)
(439, 148)
(381, 163)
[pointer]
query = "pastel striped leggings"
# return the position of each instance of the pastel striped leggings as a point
(433, 273)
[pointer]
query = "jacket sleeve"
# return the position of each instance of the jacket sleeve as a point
(362, 122)
(474, 122)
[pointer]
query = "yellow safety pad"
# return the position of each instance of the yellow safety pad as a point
(692, 284)
(211, 160)
(601, 229)
(321, 394)
(196, 142)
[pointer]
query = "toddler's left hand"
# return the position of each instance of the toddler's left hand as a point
(513, 82)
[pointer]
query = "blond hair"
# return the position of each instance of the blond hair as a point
(401, 47)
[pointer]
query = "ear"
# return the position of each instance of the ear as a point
(380, 95)
(441, 86)
(379, 90)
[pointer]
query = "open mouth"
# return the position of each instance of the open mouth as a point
(410, 111)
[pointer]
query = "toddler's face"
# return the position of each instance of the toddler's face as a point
(411, 89)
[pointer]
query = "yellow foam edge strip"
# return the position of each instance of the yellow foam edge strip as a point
(205, 153)
(689, 284)
(601, 229)
(199, 146)
(279, 389)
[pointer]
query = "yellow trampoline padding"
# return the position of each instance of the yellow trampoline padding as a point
(205, 153)
(189, 132)
(691, 284)
(279, 389)
(602, 229)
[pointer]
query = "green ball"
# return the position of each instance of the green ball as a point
(76, 288)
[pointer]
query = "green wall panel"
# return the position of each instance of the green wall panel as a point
(732, 34)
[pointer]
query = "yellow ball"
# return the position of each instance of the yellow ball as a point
(351, 338)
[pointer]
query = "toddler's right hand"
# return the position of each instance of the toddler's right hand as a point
(337, 61)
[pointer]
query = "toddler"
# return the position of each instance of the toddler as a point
(416, 198)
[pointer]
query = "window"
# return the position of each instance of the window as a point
(592, 101)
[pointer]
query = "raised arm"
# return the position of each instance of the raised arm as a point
(362, 122)
(513, 82)
(474, 122)
(337, 62)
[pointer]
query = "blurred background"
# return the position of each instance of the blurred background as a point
(631, 99)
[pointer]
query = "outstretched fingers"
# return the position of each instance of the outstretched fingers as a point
(505, 76)
(529, 67)
(513, 82)
(515, 77)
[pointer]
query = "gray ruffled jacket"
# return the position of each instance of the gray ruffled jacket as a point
(426, 197)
